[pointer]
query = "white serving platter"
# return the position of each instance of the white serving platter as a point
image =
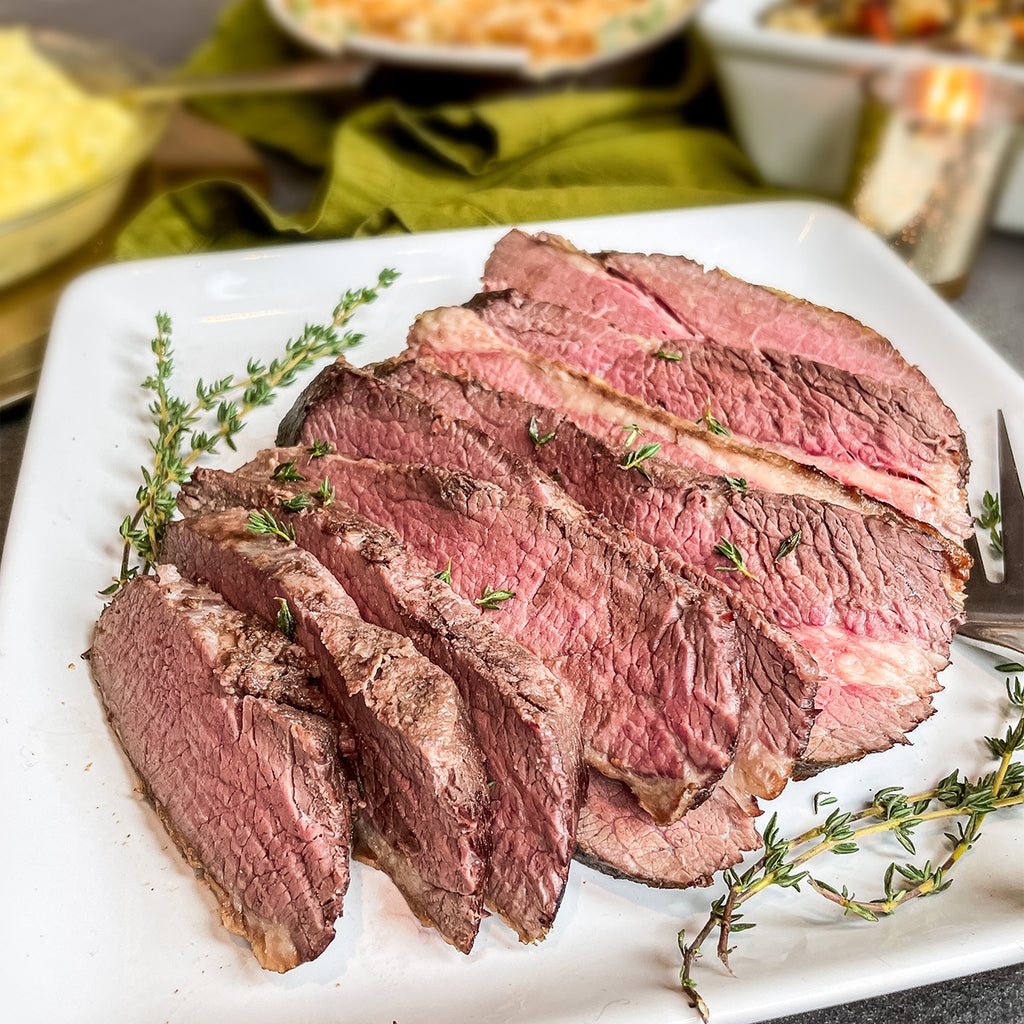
(104, 922)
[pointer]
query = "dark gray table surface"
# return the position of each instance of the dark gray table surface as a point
(993, 304)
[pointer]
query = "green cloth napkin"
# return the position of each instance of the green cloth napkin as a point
(389, 167)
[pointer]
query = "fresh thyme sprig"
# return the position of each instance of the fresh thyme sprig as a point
(297, 502)
(636, 457)
(318, 449)
(737, 483)
(285, 621)
(225, 403)
(287, 471)
(990, 519)
(445, 575)
(535, 435)
(492, 599)
(263, 522)
(890, 811)
(325, 493)
(789, 545)
(728, 550)
(712, 425)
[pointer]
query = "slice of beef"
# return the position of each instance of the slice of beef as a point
(521, 714)
(549, 268)
(874, 598)
(661, 296)
(714, 304)
(341, 393)
(368, 416)
(618, 837)
(858, 430)
(458, 341)
(419, 766)
(176, 667)
(878, 575)
(655, 658)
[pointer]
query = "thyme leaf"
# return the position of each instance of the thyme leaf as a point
(672, 357)
(737, 483)
(730, 551)
(263, 522)
(990, 519)
(318, 449)
(633, 432)
(285, 621)
(492, 599)
(297, 503)
(445, 575)
(789, 545)
(635, 458)
(712, 425)
(325, 493)
(184, 431)
(535, 435)
(287, 471)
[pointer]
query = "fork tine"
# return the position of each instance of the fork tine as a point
(1011, 504)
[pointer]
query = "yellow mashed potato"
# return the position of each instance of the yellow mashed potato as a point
(55, 139)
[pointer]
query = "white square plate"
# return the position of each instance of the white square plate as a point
(104, 922)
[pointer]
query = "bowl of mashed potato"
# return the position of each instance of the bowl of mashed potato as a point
(71, 139)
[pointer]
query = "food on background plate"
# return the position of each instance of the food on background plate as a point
(56, 138)
(583, 575)
(992, 29)
(68, 152)
(549, 32)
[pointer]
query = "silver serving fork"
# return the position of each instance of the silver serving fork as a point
(995, 611)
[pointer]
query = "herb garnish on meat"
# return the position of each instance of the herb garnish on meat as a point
(492, 599)
(287, 471)
(298, 502)
(325, 493)
(264, 522)
(535, 435)
(728, 550)
(635, 459)
(789, 545)
(285, 621)
(712, 425)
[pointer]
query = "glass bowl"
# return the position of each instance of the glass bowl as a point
(38, 237)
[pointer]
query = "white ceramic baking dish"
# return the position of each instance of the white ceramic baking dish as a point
(795, 101)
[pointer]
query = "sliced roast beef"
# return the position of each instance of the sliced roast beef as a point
(653, 657)
(419, 766)
(458, 341)
(661, 296)
(878, 575)
(858, 430)
(176, 667)
(522, 716)
(617, 836)
(372, 417)
(874, 597)
(549, 268)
